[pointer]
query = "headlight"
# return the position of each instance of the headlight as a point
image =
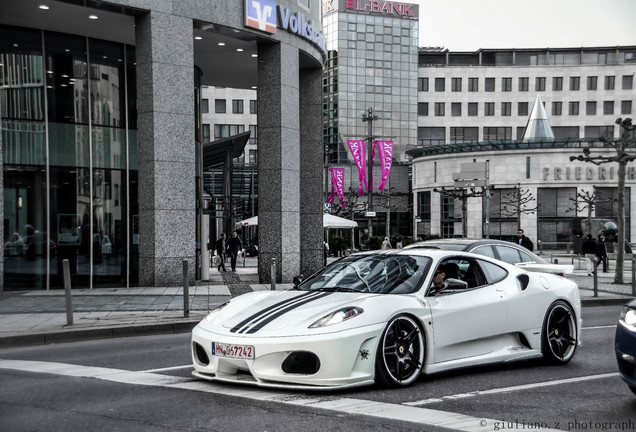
(628, 318)
(337, 317)
(212, 314)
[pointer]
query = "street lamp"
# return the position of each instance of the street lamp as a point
(369, 117)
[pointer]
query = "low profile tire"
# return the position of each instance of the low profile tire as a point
(400, 354)
(559, 335)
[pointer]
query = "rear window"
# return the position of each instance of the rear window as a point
(493, 272)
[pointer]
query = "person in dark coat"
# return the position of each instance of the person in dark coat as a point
(234, 246)
(601, 253)
(589, 251)
(220, 247)
(525, 241)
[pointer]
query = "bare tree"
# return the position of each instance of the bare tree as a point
(518, 202)
(353, 205)
(588, 201)
(391, 200)
(622, 158)
(463, 195)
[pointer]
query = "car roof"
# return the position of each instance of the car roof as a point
(466, 244)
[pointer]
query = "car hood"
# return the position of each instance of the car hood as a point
(288, 313)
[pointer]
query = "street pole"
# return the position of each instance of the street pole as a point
(369, 117)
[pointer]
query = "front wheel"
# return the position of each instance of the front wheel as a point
(559, 333)
(400, 355)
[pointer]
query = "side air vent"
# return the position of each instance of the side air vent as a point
(201, 355)
(524, 280)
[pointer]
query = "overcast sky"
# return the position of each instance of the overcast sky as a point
(467, 25)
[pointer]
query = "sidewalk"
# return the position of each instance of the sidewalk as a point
(39, 317)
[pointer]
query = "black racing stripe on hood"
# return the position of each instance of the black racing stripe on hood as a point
(266, 310)
(271, 318)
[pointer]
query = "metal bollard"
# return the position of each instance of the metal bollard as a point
(273, 275)
(633, 275)
(67, 292)
(186, 290)
(595, 274)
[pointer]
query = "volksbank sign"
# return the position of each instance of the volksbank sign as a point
(267, 16)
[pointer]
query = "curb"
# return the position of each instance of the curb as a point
(97, 333)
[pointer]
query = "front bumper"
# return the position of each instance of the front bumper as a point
(625, 346)
(344, 359)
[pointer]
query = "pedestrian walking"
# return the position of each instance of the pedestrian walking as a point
(386, 244)
(589, 251)
(525, 241)
(601, 253)
(221, 246)
(234, 247)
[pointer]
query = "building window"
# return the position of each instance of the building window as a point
(473, 84)
(599, 131)
(489, 108)
(539, 84)
(590, 108)
(497, 133)
(628, 82)
(206, 133)
(253, 107)
(456, 109)
(591, 82)
(464, 134)
(506, 84)
(440, 84)
(473, 108)
(422, 84)
(253, 135)
(522, 108)
(456, 84)
(523, 83)
(556, 108)
(506, 108)
(205, 105)
(574, 108)
(237, 106)
(422, 108)
(252, 157)
(608, 107)
(440, 109)
(490, 84)
(626, 107)
(428, 136)
(424, 206)
(610, 82)
(557, 83)
(575, 83)
(219, 106)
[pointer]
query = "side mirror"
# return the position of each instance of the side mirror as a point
(298, 280)
(455, 284)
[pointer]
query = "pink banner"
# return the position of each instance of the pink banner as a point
(357, 150)
(337, 186)
(385, 151)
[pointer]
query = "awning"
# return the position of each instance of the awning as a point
(328, 221)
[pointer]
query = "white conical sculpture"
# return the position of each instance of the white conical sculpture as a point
(538, 127)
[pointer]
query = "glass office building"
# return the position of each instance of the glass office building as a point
(67, 105)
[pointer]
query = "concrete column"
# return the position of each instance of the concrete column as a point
(311, 171)
(278, 162)
(2, 239)
(165, 91)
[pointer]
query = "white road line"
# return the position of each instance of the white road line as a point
(168, 369)
(511, 389)
(598, 327)
(411, 414)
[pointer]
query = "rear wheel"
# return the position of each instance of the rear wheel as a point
(400, 354)
(559, 334)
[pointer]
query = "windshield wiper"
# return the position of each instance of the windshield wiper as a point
(338, 289)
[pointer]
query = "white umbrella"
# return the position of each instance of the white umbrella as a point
(328, 221)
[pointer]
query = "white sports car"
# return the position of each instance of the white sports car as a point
(375, 317)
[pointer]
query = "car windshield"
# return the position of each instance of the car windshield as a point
(380, 274)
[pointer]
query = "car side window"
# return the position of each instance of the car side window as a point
(508, 254)
(493, 272)
(525, 257)
(485, 251)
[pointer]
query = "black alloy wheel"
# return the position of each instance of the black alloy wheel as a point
(400, 354)
(559, 336)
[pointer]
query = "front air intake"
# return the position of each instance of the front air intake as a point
(301, 362)
(200, 353)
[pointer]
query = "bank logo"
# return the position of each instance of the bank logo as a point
(261, 15)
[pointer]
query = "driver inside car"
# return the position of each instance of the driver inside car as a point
(443, 272)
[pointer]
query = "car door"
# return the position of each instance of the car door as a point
(464, 322)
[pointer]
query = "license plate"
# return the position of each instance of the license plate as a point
(233, 351)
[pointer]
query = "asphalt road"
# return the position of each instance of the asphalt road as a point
(144, 384)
